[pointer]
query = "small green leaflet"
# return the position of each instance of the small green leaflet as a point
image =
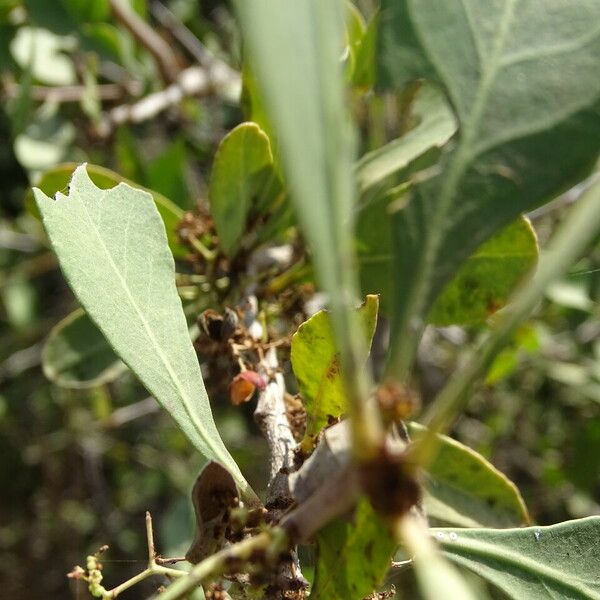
(484, 282)
(462, 488)
(112, 248)
(316, 365)
(243, 167)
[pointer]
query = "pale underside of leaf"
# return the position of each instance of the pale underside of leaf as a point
(112, 248)
(559, 561)
(294, 49)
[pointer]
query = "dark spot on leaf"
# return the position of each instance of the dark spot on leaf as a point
(470, 284)
(369, 551)
(334, 369)
(493, 305)
(492, 502)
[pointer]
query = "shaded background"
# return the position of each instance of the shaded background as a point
(77, 469)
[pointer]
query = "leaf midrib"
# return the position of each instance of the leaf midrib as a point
(174, 378)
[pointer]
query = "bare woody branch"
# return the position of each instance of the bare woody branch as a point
(271, 417)
(193, 81)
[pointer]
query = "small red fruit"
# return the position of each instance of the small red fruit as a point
(243, 386)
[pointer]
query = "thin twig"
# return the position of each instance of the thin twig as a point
(73, 93)
(271, 417)
(269, 544)
(181, 33)
(95, 576)
(147, 37)
(128, 413)
(150, 539)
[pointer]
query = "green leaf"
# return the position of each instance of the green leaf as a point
(462, 488)
(435, 125)
(49, 15)
(486, 279)
(45, 140)
(524, 342)
(560, 561)
(352, 557)
(237, 177)
(577, 232)
(76, 354)
(524, 86)
(295, 50)
(112, 248)
(316, 364)
(103, 39)
(374, 245)
(57, 180)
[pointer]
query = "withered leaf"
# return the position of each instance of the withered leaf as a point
(213, 494)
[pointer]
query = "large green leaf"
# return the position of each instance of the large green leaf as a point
(316, 364)
(57, 180)
(352, 557)
(462, 488)
(435, 125)
(525, 88)
(237, 176)
(77, 355)
(112, 248)
(560, 561)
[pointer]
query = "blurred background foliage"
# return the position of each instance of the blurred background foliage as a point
(78, 468)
